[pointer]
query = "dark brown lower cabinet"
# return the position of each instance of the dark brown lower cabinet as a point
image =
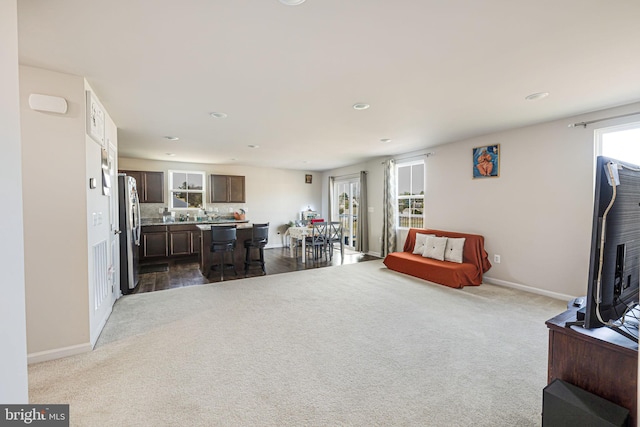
(161, 241)
(153, 242)
(184, 240)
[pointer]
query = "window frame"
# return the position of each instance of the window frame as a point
(399, 197)
(172, 190)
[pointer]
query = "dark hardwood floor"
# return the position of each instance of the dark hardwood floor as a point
(185, 272)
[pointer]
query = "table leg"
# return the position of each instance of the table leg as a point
(304, 251)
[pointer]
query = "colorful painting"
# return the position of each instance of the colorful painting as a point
(486, 161)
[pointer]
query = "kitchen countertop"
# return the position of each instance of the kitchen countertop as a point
(158, 221)
(240, 225)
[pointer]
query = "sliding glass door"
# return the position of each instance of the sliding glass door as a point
(346, 196)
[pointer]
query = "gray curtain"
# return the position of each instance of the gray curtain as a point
(332, 181)
(389, 209)
(362, 243)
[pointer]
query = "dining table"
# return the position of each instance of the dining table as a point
(299, 234)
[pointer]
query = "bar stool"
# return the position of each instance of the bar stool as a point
(223, 240)
(259, 239)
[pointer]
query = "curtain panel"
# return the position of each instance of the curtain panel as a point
(362, 243)
(389, 209)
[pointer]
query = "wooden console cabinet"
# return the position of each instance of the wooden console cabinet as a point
(600, 361)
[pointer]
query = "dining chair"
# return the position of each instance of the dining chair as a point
(317, 241)
(334, 235)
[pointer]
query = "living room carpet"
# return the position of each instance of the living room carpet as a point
(348, 345)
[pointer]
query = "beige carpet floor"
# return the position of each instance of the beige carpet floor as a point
(352, 345)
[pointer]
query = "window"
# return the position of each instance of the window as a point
(411, 181)
(186, 190)
(620, 142)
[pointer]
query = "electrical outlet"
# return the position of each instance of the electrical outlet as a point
(496, 259)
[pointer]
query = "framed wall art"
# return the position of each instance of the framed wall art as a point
(308, 179)
(95, 119)
(486, 161)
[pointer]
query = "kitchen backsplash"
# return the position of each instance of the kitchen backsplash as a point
(153, 210)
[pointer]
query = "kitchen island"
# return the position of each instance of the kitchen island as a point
(164, 241)
(244, 232)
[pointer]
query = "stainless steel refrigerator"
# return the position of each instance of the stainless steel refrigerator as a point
(129, 215)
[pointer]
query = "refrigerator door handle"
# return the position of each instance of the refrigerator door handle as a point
(137, 227)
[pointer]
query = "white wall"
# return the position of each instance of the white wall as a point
(276, 196)
(536, 215)
(55, 204)
(13, 351)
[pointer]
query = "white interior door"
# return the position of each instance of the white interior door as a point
(114, 227)
(100, 236)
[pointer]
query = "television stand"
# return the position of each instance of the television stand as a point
(631, 318)
(599, 361)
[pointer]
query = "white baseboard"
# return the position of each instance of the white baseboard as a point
(58, 353)
(96, 334)
(376, 254)
(555, 295)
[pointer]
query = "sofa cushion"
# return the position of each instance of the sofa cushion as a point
(434, 247)
(421, 239)
(453, 250)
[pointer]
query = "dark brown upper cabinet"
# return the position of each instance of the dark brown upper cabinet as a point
(150, 185)
(226, 189)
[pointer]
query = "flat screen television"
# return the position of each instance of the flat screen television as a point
(614, 265)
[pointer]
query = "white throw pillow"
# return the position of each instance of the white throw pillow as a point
(434, 247)
(453, 250)
(421, 239)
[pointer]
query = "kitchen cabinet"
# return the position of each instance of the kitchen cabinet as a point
(227, 189)
(162, 241)
(153, 242)
(184, 240)
(150, 185)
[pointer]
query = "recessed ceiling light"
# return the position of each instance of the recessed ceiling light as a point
(170, 154)
(218, 115)
(535, 96)
(361, 106)
(385, 140)
(292, 2)
(172, 138)
(253, 146)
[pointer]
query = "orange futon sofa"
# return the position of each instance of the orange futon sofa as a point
(474, 264)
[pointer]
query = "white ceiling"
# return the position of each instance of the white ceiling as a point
(434, 71)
